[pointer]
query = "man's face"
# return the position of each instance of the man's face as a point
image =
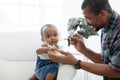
(94, 20)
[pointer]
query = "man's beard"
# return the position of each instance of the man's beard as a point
(98, 28)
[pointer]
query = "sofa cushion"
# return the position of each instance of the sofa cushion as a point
(19, 45)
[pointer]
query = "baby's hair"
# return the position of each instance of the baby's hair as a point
(46, 25)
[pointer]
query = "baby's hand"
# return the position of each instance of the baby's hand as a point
(52, 48)
(54, 51)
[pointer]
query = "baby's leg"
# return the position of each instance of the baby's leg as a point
(51, 71)
(50, 76)
(33, 77)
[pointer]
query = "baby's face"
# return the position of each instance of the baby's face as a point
(50, 35)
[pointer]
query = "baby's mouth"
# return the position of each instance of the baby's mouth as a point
(53, 42)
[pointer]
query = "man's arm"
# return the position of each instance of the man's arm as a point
(100, 69)
(93, 56)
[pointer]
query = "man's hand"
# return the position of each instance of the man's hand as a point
(68, 58)
(78, 42)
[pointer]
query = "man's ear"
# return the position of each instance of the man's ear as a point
(104, 13)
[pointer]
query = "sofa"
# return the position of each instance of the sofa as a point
(17, 54)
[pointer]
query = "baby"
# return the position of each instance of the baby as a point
(45, 68)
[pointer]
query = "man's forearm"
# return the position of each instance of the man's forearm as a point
(95, 57)
(100, 69)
